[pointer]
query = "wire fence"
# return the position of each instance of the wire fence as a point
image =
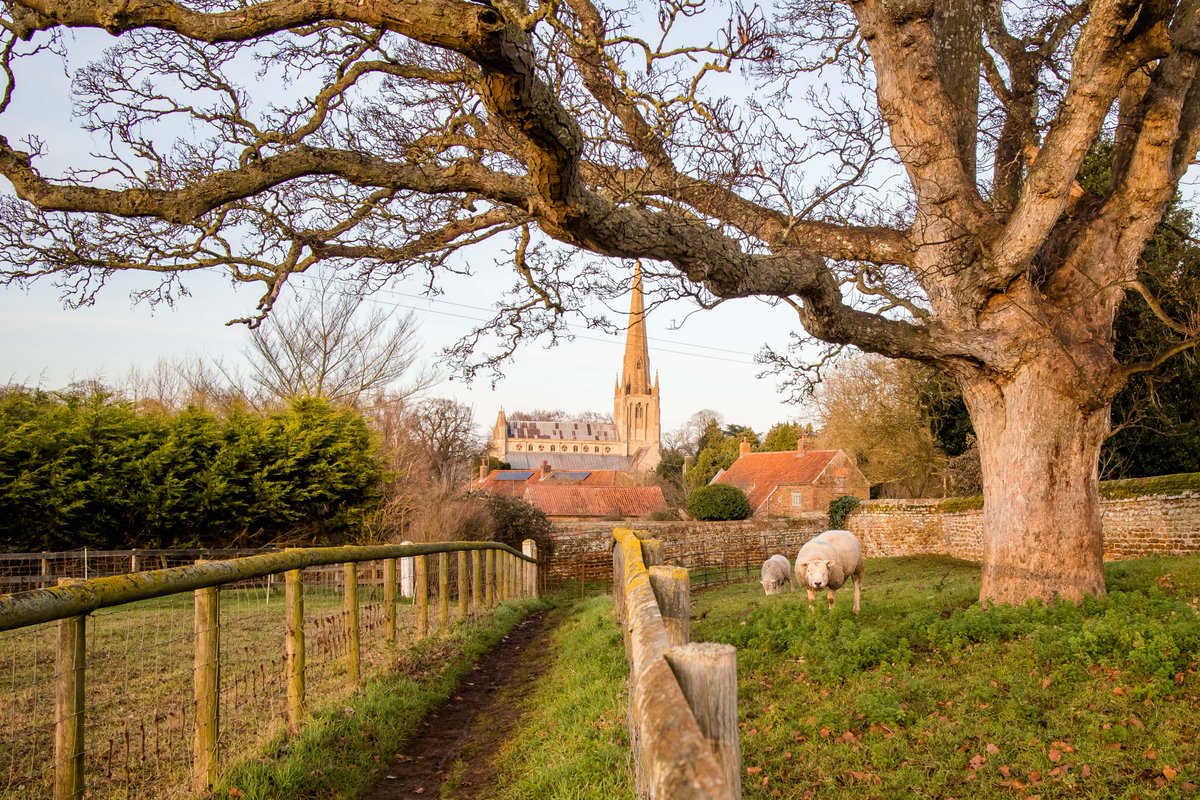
(150, 684)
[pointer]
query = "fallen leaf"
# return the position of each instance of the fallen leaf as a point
(1151, 754)
(1054, 755)
(234, 791)
(824, 731)
(1004, 770)
(1085, 771)
(992, 749)
(1046, 683)
(1034, 776)
(977, 761)
(753, 770)
(1169, 772)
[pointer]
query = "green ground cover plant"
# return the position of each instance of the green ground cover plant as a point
(928, 695)
(342, 750)
(573, 738)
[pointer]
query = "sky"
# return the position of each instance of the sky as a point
(705, 360)
(707, 363)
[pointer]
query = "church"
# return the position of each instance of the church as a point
(629, 444)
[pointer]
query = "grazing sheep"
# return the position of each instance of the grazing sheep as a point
(826, 562)
(776, 572)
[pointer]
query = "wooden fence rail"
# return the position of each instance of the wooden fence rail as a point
(72, 601)
(682, 698)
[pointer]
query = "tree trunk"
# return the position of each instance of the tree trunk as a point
(1039, 444)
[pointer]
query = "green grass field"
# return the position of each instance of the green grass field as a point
(928, 696)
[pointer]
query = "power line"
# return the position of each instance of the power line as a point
(583, 337)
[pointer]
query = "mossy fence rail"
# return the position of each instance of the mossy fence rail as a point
(150, 684)
(683, 716)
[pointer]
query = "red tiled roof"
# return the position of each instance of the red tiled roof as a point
(557, 500)
(757, 474)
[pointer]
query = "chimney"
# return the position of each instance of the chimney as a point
(744, 448)
(545, 468)
(802, 444)
(483, 469)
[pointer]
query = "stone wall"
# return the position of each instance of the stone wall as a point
(581, 549)
(1141, 526)
(1133, 528)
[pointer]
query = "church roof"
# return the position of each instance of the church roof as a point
(757, 474)
(569, 430)
(568, 461)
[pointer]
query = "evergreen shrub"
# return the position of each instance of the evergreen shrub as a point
(719, 501)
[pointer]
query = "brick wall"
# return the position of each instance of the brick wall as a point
(1150, 525)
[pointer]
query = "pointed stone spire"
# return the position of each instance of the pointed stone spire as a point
(635, 372)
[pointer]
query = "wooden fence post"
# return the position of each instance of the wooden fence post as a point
(443, 592)
(477, 557)
(350, 615)
(421, 595)
(489, 565)
(71, 670)
(389, 600)
(652, 552)
(672, 590)
(707, 674)
(293, 598)
(618, 560)
(206, 683)
(462, 584)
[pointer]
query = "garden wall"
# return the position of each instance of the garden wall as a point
(1133, 527)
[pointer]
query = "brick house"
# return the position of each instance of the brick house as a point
(791, 482)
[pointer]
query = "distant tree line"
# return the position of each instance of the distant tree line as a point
(83, 467)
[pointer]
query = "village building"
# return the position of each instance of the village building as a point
(792, 482)
(578, 469)
(630, 443)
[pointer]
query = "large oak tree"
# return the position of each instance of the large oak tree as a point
(399, 131)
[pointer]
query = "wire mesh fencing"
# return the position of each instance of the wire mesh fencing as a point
(154, 696)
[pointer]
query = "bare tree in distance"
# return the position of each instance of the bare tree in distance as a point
(870, 407)
(926, 207)
(325, 346)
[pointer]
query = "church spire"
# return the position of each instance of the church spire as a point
(635, 372)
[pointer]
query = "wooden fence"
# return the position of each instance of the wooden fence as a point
(496, 573)
(682, 695)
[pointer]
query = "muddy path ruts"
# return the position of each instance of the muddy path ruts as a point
(463, 734)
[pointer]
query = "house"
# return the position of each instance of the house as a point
(791, 482)
(575, 493)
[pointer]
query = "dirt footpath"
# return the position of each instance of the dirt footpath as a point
(473, 724)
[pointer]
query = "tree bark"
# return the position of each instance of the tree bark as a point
(1039, 443)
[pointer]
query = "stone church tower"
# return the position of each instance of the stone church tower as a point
(629, 444)
(636, 403)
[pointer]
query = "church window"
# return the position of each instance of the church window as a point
(551, 448)
(518, 447)
(608, 449)
(541, 447)
(575, 448)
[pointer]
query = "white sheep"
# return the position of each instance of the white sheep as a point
(827, 560)
(776, 572)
